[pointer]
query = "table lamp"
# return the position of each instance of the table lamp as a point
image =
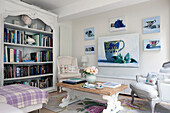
(84, 60)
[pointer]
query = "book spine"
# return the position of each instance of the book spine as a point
(40, 36)
(18, 37)
(11, 55)
(17, 55)
(6, 53)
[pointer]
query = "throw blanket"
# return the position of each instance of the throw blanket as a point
(19, 95)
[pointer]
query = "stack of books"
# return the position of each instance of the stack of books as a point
(74, 81)
(111, 84)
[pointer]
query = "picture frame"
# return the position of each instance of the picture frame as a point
(151, 25)
(90, 49)
(152, 45)
(119, 50)
(89, 33)
(117, 24)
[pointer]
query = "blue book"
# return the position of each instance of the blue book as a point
(40, 69)
(32, 70)
(47, 41)
(18, 37)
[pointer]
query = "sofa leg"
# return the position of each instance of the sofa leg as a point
(132, 94)
(39, 111)
(152, 104)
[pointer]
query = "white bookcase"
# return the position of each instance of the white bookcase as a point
(14, 9)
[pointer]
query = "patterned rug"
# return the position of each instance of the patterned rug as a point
(92, 106)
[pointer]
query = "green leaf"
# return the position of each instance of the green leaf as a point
(127, 58)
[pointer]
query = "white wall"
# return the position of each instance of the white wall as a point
(65, 38)
(149, 61)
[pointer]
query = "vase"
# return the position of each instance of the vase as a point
(90, 78)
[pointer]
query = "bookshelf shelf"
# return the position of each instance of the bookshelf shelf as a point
(13, 26)
(28, 77)
(22, 63)
(28, 46)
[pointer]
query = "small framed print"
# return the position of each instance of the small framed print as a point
(90, 49)
(117, 24)
(89, 33)
(150, 45)
(151, 25)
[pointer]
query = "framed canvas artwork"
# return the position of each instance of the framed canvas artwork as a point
(151, 25)
(89, 33)
(150, 45)
(117, 24)
(90, 49)
(120, 50)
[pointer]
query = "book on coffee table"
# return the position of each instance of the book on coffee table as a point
(74, 81)
(111, 84)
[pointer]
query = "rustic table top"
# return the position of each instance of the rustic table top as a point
(103, 91)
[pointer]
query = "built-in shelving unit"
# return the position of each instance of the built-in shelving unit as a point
(38, 70)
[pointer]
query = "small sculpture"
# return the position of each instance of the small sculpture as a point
(30, 40)
(27, 57)
(26, 19)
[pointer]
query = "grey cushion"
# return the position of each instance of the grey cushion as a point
(144, 90)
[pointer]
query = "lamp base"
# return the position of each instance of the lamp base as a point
(84, 64)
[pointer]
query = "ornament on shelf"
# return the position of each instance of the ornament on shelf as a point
(27, 57)
(48, 28)
(27, 20)
(30, 40)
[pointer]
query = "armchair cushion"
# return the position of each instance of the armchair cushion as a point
(144, 90)
(151, 78)
(69, 75)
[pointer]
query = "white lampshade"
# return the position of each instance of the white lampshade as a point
(84, 59)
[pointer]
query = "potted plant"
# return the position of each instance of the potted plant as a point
(90, 73)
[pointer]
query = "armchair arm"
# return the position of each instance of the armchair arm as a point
(141, 78)
(164, 89)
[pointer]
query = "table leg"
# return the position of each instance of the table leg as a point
(71, 98)
(113, 105)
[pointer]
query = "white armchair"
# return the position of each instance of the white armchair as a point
(153, 93)
(67, 68)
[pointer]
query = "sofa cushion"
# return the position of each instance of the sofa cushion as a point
(144, 90)
(6, 108)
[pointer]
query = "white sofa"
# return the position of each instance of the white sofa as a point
(6, 108)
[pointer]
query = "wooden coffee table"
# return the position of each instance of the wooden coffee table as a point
(110, 95)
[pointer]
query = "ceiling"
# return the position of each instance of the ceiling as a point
(50, 4)
(72, 9)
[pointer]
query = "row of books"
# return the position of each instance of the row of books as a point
(12, 55)
(14, 36)
(15, 55)
(44, 82)
(20, 37)
(42, 56)
(14, 71)
(42, 40)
